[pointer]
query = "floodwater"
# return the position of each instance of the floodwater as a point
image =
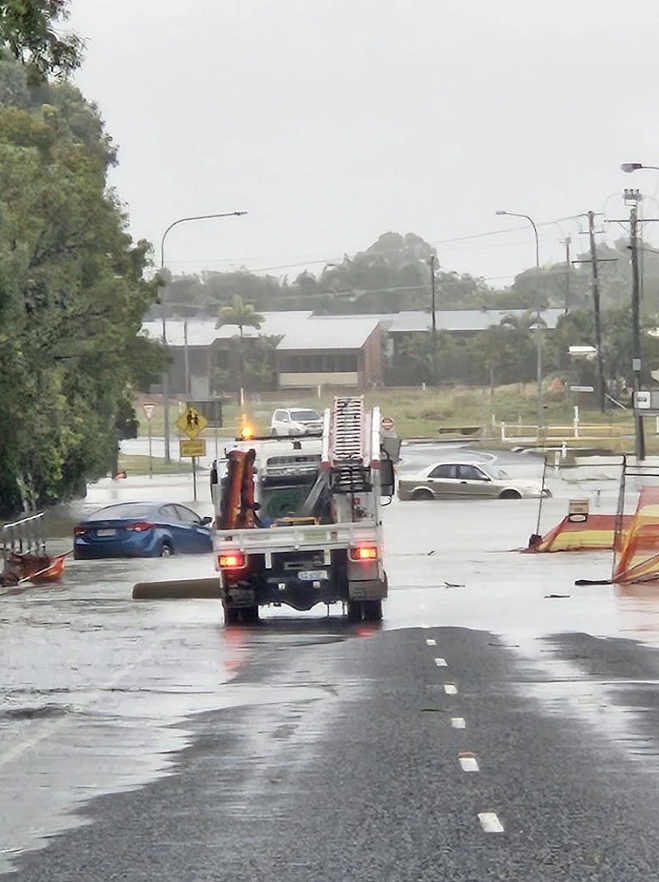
(97, 689)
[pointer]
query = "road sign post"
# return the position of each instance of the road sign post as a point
(193, 448)
(148, 413)
(192, 423)
(387, 424)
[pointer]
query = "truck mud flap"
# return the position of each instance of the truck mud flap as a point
(239, 597)
(368, 589)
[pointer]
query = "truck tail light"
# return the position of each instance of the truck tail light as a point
(232, 561)
(364, 553)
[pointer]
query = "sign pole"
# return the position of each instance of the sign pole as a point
(216, 420)
(148, 408)
(194, 478)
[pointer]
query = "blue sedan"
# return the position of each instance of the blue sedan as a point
(142, 529)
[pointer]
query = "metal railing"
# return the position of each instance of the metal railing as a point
(575, 431)
(26, 535)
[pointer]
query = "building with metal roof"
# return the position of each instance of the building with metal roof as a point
(312, 350)
(465, 321)
(332, 351)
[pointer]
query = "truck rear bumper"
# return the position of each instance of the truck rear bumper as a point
(301, 595)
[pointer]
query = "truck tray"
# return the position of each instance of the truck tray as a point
(276, 539)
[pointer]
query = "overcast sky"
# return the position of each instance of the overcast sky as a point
(332, 121)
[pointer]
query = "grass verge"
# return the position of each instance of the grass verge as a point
(135, 464)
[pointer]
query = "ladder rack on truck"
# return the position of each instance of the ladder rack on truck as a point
(317, 534)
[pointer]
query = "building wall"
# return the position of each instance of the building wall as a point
(372, 360)
(308, 380)
(318, 361)
(200, 368)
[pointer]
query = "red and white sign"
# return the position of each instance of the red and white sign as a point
(148, 410)
(387, 424)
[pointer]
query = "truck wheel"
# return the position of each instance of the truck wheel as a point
(354, 611)
(372, 610)
(230, 615)
(250, 615)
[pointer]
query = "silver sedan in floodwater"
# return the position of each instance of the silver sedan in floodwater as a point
(456, 480)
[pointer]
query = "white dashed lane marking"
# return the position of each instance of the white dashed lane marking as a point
(490, 823)
(468, 762)
(430, 641)
(450, 689)
(458, 723)
(441, 663)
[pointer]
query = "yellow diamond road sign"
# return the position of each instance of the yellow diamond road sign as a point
(192, 422)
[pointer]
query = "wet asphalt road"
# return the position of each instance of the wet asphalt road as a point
(143, 741)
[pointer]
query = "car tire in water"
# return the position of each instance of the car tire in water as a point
(422, 495)
(166, 550)
(510, 494)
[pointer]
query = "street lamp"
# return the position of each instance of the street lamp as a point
(635, 166)
(165, 376)
(541, 408)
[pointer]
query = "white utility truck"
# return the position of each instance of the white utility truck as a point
(298, 521)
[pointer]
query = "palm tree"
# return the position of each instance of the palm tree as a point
(241, 314)
(244, 316)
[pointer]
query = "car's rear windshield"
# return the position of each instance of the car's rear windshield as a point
(305, 415)
(124, 510)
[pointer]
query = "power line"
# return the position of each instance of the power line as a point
(455, 240)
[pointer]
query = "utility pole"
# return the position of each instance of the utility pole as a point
(634, 197)
(597, 313)
(435, 378)
(568, 267)
(186, 352)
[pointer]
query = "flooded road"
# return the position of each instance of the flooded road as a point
(143, 740)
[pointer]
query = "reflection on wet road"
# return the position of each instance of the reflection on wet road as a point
(497, 699)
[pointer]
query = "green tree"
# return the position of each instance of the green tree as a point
(30, 32)
(72, 300)
(258, 359)
(242, 315)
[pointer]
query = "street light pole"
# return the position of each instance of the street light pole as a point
(435, 378)
(639, 447)
(163, 313)
(541, 404)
